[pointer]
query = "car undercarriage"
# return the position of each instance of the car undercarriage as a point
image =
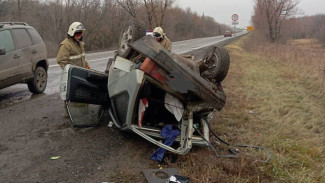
(146, 88)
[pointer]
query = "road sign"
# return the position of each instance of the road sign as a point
(234, 17)
(250, 28)
(235, 23)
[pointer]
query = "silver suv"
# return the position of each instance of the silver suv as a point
(23, 57)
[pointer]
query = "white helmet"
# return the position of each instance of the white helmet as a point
(75, 26)
(158, 32)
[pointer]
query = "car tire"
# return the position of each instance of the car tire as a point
(218, 61)
(131, 31)
(38, 83)
(224, 64)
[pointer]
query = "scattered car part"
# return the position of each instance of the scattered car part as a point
(159, 175)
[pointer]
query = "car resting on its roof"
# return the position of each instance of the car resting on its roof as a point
(147, 88)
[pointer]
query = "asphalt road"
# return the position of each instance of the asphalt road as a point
(97, 61)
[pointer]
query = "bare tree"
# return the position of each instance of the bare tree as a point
(69, 7)
(129, 6)
(19, 10)
(103, 19)
(275, 13)
(156, 10)
(150, 9)
(4, 9)
(162, 8)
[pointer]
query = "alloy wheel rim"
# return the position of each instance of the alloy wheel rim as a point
(41, 79)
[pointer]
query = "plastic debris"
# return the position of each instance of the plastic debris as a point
(178, 179)
(160, 167)
(110, 124)
(55, 157)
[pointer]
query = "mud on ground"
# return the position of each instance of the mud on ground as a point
(34, 131)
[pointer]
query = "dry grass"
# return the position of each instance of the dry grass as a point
(305, 56)
(271, 102)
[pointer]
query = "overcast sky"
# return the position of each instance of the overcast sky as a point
(222, 10)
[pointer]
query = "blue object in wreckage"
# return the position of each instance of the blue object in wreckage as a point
(169, 135)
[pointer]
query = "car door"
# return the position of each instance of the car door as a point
(117, 91)
(85, 94)
(38, 49)
(23, 42)
(124, 83)
(10, 62)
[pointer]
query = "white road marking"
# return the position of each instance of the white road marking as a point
(57, 65)
(179, 44)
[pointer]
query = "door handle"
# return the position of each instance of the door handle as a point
(16, 56)
(34, 51)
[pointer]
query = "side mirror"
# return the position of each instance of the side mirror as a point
(2, 51)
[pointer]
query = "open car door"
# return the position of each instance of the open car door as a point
(85, 94)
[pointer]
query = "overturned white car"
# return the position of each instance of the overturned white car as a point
(147, 88)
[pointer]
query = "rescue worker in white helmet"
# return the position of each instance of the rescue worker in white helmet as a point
(162, 39)
(72, 50)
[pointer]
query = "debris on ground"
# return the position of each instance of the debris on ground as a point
(168, 175)
(55, 157)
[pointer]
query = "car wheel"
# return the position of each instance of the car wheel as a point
(38, 83)
(217, 60)
(224, 64)
(131, 31)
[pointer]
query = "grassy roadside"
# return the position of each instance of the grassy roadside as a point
(268, 104)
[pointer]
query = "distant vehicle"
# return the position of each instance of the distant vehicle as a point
(145, 88)
(227, 34)
(149, 32)
(23, 57)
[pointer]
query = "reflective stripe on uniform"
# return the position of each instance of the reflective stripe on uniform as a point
(76, 56)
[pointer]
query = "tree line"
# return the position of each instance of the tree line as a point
(306, 27)
(276, 21)
(104, 19)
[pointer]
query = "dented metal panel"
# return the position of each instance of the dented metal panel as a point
(181, 78)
